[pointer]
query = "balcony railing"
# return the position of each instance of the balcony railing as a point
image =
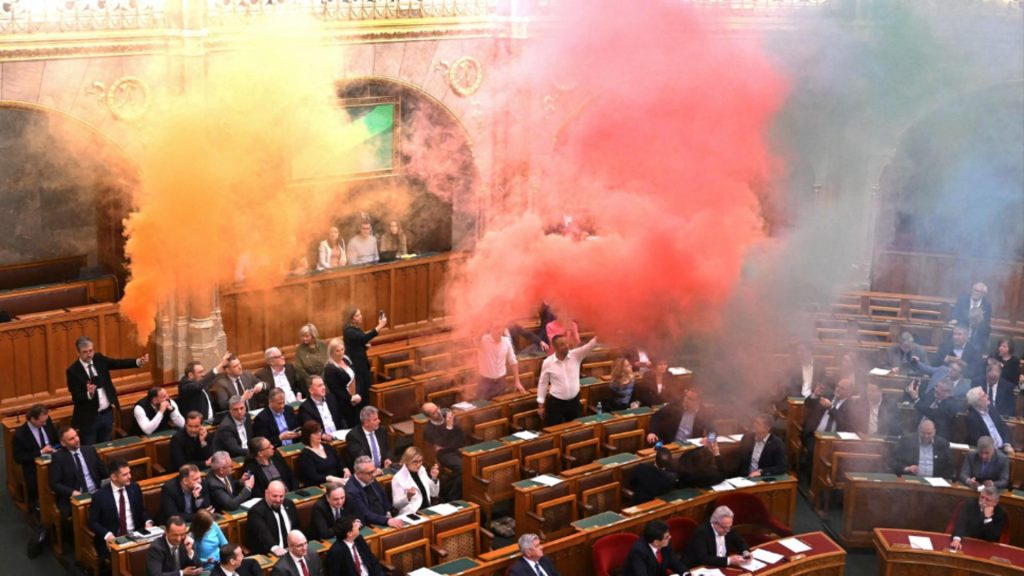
(54, 16)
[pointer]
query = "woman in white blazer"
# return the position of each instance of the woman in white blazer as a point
(411, 486)
(332, 251)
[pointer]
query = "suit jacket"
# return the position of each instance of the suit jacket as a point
(339, 560)
(226, 437)
(1005, 402)
(262, 529)
(963, 307)
(337, 381)
(321, 519)
(197, 394)
(773, 456)
(842, 419)
(701, 549)
(357, 444)
(86, 408)
(308, 411)
(998, 469)
(970, 523)
(522, 568)
(648, 482)
(665, 422)
(265, 425)
(188, 450)
(356, 342)
(641, 561)
(369, 512)
(160, 561)
(103, 515)
(64, 477)
(264, 374)
(172, 502)
(223, 388)
(907, 454)
(222, 498)
(942, 414)
(976, 427)
(287, 567)
(896, 358)
(25, 445)
(971, 355)
(889, 423)
(249, 567)
(647, 394)
(260, 487)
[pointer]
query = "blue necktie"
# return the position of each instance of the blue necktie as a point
(374, 450)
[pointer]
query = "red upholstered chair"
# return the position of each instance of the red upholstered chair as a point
(681, 529)
(1004, 536)
(610, 553)
(751, 519)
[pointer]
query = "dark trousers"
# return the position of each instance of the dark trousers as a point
(101, 429)
(488, 388)
(451, 487)
(558, 411)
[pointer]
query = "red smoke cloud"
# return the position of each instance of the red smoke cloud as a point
(643, 122)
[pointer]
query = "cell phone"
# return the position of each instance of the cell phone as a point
(413, 516)
(380, 315)
(712, 437)
(246, 475)
(143, 530)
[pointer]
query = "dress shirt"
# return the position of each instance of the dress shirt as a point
(39, 433)
(362, 565)
(925, 460)
(281, 381)
(808, 380)
(148, 426)
(755, 457)
(720, 550)
(536, 567)
(371, 437)
(685, 430)
(129, 521)
(280, 515)
(873, 418)
(101, 394)
(993, 432)
(240, 426)
(563, 376)
(325, 414)
(494, 357)
(282, 425)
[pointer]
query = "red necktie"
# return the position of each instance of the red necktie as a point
(355, 556)
(122, 516)
(305, 571)
(657, 556)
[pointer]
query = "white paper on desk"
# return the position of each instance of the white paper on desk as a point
(734, 437)
(249, 503)
(695, 441)
(741, 482)
(679, 371)
(723, 487)
(752, 565)
(339, 434)
(706, 572)
(958, 446)
(920, 542)
(526, 435)
(848, 436)
(727, 440)
(463, 406)
(937, 482)
(547, 479)
(423, 572)
(766, 556)
(880, 372)
(794, 545)
(443, 509)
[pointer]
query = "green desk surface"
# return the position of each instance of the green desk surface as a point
(292, 448)
(635, 411)
(526, 484)
(589, 380)
(483, 446)
(460, 504)
(311, 492)
(767, 479)
(117, 443)
(681, 494)
(596, 418)
(872, 476)
(456, 566)
(163, 434)
(617, 459)
(598, 520)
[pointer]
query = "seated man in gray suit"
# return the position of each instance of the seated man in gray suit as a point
(300, 560)
(904, 357)
(984, 465)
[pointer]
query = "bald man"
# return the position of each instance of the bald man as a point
(299, 560)
(446, 438)
(924, 454)
(270, 521)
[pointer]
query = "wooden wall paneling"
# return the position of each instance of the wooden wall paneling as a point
(30, 353)
(383, 286)
(8, 365)
(286, 313)
(895, 272)
(1017, 314)
(229, 318)
(437, 275)
(251, 322)
(364, 295)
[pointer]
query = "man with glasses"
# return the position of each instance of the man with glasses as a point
(369, 503)
(651, 555)
(300, 560)
(715, 544)
(225, 492)
(279, 374)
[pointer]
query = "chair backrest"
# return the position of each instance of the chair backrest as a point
(136, 560)
(304, 510)
(546, 462)
(408, 557)
(558, 515)
(681, 529)
(582, 453)
(501, 477)
(610, 553)
(528, 420)
(459, 542)
(956, 514)
(129, 452)
(599, 499)
(616, 426)
(746, 508)
(486, 415)
(578, 435)
(844, 462)
(491, 430)
(142, 468)
(401, 401)
(623, 442)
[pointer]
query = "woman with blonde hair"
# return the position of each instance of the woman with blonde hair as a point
(340, 379)
(310, 354)
(412, 487)
(331, 253)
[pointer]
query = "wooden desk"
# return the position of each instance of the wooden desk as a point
(824, 558)
(886, 501)
(896, 557)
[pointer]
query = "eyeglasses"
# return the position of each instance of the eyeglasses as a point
(418, 461)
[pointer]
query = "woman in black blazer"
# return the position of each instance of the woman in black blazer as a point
(356, 343)
(318, 463)
(340, 380)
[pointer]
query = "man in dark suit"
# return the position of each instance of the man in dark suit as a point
(351, 553)
(999, 391)
(172, 555)
(280, 374)
(327, 511)
(877, 415)
(714, 543)
(977, 298)
(651, 554)
(366, 496)
(761, 452)
(937, 405)
(74, 470)
(322, 407)
(984, 465)
(300, 560)
(648, 481)
(806, 372)
(277, 423)
(92, 390)
(183, 496)
(117, 508)
(957, 346)
(533, 561)
(194, 388)
(36, 436)
(923, 454)
(234, 562)
(235, 381)
(270, 521)
(225, 493)
(984, 520)
(189, 445)
(829, 415)
(983, 419)
(369, 439)
(900, 357)
(234, 431)
(679, 421)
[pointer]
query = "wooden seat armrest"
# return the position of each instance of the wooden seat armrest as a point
(535, 516)
(482, 480)
(438, 551)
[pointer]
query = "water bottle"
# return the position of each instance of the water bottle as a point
(600, 410)
(658, 444)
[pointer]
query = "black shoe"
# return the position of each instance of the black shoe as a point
(36, 544)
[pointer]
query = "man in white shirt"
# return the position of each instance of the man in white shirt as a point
(560, 375)
(496, 356)
(156, 412)
(280, 374)
(117, 509)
